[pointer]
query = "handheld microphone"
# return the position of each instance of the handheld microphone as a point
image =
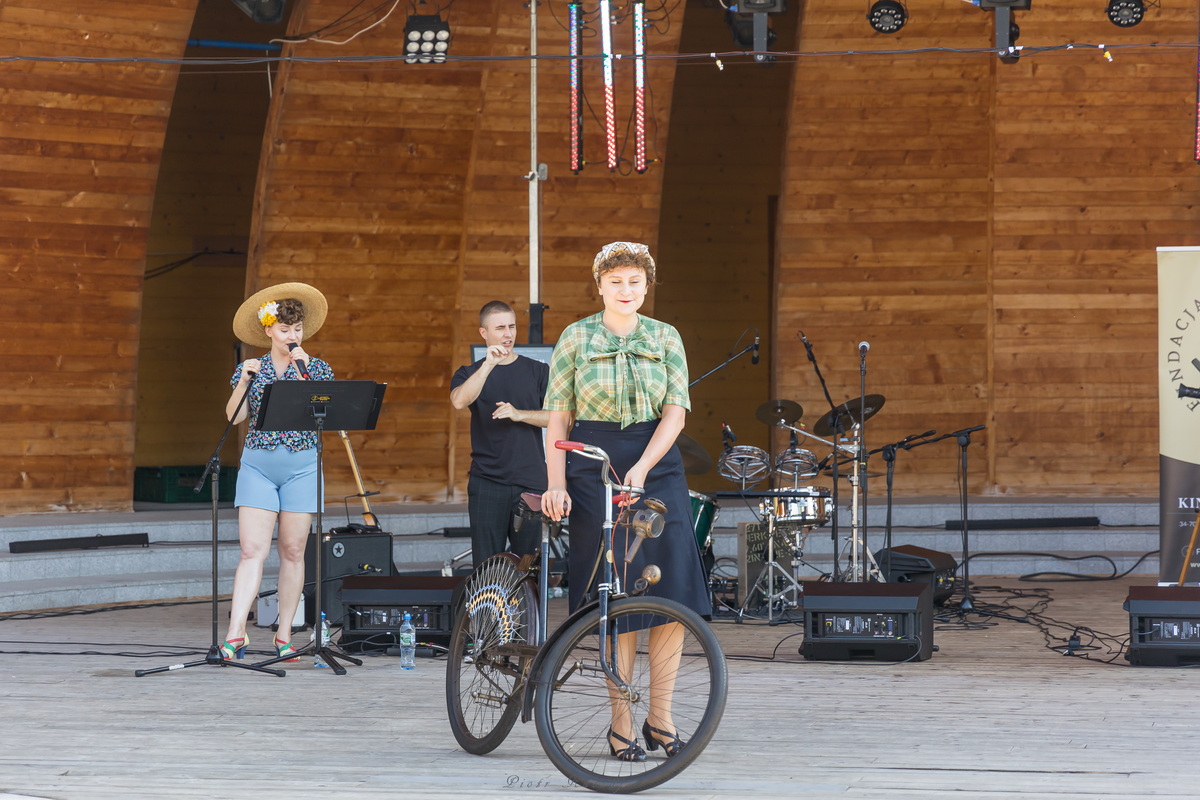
(754, 358)
(863, 347)
(301, 367)
(727, 436)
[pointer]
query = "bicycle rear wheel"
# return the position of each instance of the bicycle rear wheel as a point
(575, 709)
(489, 653)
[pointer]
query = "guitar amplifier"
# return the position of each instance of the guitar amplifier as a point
(375, 608)
(343, 556)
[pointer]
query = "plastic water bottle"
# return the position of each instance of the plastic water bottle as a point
(408, 643)
(324, 633)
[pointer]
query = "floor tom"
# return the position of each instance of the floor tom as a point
(704, 516)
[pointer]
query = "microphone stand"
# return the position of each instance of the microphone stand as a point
(214, 657)
(862, 452)
(889, 457)
(967, 605)
(725, 363)
(838, 430)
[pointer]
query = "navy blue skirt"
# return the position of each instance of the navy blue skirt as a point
(675, 551)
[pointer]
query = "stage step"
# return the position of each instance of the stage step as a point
(177, 562)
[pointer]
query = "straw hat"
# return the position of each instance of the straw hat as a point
(248, 329)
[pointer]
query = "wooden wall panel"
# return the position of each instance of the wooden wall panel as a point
(400, 190)
(721, 184)
(202, 202)
(79, 152)
(990, 229)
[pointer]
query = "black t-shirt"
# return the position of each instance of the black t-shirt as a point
(502, 450)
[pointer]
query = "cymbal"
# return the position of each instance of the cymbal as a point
(696, 460)
(773, 412)
(850, 410)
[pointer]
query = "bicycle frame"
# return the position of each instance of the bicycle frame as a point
(610, 582)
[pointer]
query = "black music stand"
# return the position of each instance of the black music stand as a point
(315, 406)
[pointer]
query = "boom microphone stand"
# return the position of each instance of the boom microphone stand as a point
(213, 657)
(967, 605)
(838, 430)
(889, 457)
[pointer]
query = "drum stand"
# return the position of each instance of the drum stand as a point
(860, 554)
(765, 585)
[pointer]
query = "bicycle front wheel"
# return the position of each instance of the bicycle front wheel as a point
(489, 653)
(673, 664)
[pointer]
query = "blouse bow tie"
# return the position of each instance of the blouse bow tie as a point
(629, 386)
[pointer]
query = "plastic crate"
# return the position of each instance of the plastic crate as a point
(174, 485)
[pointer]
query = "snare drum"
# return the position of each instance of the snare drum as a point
(744, 464)
(805, 506)
(704, 516)
(796, 462)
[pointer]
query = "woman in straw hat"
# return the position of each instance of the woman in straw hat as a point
(277, 480)
(623, 380)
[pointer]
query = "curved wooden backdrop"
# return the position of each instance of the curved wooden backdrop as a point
(989, 228)
(80, 146)
(400, 190)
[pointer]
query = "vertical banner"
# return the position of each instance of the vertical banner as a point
(1178, 417)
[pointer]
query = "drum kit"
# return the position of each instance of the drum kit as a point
(790, 508)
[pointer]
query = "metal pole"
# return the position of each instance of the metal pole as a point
(535, 233)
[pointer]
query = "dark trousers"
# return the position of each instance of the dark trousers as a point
(490, 506)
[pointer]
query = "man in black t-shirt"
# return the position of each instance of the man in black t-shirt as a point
(505, 392)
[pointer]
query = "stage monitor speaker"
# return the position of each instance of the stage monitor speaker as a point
(1164, 626)
(908, 563)
(375, 608)
(874, 621)
(342, 556)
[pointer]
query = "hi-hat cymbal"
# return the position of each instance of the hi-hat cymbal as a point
(851, 411)
(696, 460)
(774, 412)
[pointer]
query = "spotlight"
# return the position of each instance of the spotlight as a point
(1125, 13)
(887, 16)
(266, 11)
(426, 38)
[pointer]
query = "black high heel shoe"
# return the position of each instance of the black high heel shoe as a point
(633, 752)
(671, 747)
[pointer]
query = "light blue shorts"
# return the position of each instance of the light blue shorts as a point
(278, 480)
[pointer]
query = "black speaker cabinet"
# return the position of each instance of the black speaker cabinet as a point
(908, 563)
(1164, 626)
(375, 608)
(879, 621)
(343, 555)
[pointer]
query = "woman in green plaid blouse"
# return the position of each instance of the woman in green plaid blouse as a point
(619, 380)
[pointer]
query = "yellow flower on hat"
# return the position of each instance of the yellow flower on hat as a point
(268, 313)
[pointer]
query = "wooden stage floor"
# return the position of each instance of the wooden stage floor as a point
(994, 713)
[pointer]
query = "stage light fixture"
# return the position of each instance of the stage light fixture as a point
(751, 29)
(887, 16)
(268, 12)
(1125, 13)
(426, 38)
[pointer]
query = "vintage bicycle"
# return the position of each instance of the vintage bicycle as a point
(605, 662)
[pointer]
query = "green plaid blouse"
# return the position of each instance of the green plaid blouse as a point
(601, 376)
